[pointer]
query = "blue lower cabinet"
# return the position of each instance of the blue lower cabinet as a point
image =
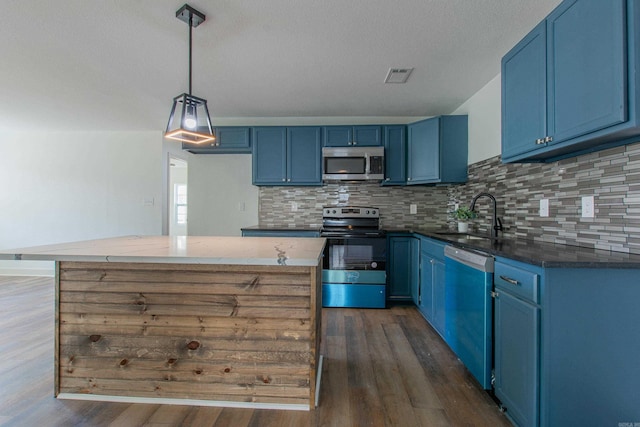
(517, 350)
(400, 267)
(571, 358)
(432, 283)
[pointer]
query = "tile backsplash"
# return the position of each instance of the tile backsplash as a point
(611, 176)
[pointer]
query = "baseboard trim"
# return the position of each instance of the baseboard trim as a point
(190, 402)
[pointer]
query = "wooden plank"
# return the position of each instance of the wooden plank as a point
(201, 375)
(201, 331)
(177, 267)
(221, 366)
(287, 285)
(187, 389)
(179, 310)
(193, 321)
(393, 394)
(152, 299)
(364, 396)
(181, 345)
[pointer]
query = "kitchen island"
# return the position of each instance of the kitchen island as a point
(218, 321)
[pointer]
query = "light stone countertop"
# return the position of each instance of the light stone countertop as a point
(181, 249)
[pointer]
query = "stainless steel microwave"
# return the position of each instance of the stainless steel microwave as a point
(352, 163)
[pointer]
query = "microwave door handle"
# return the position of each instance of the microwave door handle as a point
(367, 167)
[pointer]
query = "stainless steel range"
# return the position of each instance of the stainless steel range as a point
(355, 258)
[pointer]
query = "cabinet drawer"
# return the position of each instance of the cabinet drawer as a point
(517, 281)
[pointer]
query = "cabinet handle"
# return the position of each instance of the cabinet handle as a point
(355, 143)
(387, 179)
(511, 281)
(349, 143)
(409, 179)
(539, 141)
(548, 138)
(284, 179)
(288, 179)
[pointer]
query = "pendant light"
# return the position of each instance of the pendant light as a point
(189, 119)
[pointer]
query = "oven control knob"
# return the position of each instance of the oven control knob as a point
(334, 211)
(367, 211)
(373, 212)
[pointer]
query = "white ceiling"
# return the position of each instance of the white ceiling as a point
(116, 64)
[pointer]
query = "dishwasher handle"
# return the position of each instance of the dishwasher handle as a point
(477, 260)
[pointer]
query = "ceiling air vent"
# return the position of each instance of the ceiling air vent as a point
(398, 75)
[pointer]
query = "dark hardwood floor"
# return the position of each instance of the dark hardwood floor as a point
(381, 368)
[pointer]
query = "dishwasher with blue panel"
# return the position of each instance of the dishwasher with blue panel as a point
(469, 310)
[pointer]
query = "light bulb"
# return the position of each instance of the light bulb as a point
(190, 123)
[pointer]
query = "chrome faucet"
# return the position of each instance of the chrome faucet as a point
(496, 223)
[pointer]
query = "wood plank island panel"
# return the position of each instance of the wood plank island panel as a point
(244, 335)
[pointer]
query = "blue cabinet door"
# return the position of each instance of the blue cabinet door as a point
(337, 136)
(367, 136)
(587, 68)
(439, 296)
(343, 136)
(424, 151)
(233, 138)
(395, 155)
(426, 286)
(269, 156)
(399, 251)
(524, 94)
(304, 151)
(229, 140)
(517, 338)
(414, 278)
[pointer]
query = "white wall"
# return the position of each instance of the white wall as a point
(484, 110)
(218, 185)
(67, 186)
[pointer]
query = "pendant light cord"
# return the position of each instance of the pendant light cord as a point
(190, 31)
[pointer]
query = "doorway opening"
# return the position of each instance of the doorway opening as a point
(178, 211)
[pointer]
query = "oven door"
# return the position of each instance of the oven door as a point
(354, 272)
(355, 253)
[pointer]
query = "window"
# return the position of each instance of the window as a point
(180, 202)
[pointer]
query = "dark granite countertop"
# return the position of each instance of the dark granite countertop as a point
(283, 227)
(547, 255)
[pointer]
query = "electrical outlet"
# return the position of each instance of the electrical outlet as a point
(544, 207)
(588, 207)
(413, 209)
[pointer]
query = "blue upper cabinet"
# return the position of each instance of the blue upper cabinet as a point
(395, 155)
(524, 94)
(587, 68)
(229, 140)
(344, 136)
(570, 86)
(304, 151)
(269, 155)
(287, 156)
(437, 150)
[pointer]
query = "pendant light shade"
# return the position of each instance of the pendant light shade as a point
(189, 119)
